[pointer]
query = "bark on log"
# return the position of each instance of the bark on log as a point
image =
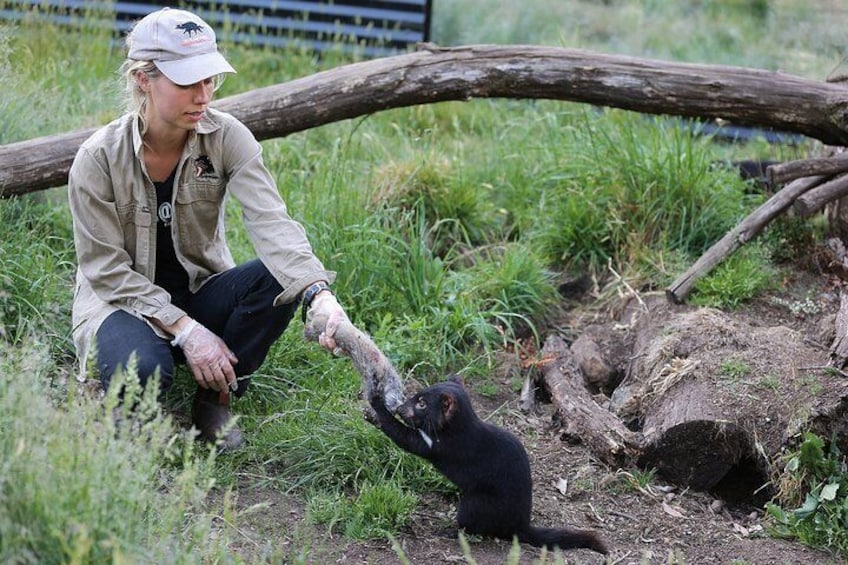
(834, 259)
(791, 170)
(691, 440)
(744, 232)
(433, 74)
(839, 347)
(376, 370)
(602, 431)
(816, 198)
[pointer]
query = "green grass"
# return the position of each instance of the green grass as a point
(375, 511)
(803, 38)
(449, 224)
(740, 278)
(637, 480)
(36, 270)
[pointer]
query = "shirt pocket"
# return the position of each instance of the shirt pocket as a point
(201, 192)
(135, 220)
(198, 209)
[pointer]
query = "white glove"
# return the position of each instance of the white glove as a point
(325, 305)
(210, 360)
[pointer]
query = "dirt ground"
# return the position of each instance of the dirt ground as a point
(644, 523)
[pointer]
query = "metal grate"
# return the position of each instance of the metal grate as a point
(372, 27)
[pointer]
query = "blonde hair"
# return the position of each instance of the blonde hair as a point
(135, 97)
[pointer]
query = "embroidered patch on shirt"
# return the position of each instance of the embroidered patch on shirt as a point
(203, 168)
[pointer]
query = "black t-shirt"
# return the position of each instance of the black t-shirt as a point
(170, 274)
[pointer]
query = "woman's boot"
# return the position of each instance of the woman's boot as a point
(210, 412)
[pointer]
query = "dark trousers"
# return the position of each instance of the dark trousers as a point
(237, 305)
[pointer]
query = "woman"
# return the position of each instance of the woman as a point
(156, 283)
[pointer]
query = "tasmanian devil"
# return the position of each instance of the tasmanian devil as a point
(487, 463)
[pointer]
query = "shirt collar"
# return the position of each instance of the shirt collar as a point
(136, 133)
(206, 126)
(209, 123)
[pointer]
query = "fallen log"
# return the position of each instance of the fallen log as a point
(712, 401)
(377, 372)
(745, 231)
(596, 427)
(738, 95)
(816, 198)
(782, 173)
(720, 399)
(690, 431)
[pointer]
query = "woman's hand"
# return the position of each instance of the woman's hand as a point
(325, 305)
(210, 360)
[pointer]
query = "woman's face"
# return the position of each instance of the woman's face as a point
(171, 106)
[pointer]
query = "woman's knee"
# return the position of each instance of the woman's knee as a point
(125, 343)
(140, 365)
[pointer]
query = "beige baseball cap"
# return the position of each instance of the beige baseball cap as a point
(180, 44)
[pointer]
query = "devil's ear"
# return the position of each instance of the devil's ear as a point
(449, 406)
(455, 378)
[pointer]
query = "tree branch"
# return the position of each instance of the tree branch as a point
(739, 95)
(817, 197)
(791, 170)
(745, 231)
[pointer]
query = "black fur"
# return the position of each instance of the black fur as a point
(487, 463)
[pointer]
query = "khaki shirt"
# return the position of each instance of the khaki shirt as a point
(113, 203)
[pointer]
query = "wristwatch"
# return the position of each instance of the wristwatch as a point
(309, 295)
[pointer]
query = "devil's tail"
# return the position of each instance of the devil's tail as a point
(564, 538)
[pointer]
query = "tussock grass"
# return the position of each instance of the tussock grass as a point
(449, 225)
(637, 183)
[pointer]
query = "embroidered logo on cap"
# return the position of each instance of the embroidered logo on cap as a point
(190, 28)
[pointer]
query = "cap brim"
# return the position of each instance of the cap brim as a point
(192, 70)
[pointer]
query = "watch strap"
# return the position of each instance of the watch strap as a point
(309, 295)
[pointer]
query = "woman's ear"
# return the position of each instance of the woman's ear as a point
(142, 81)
